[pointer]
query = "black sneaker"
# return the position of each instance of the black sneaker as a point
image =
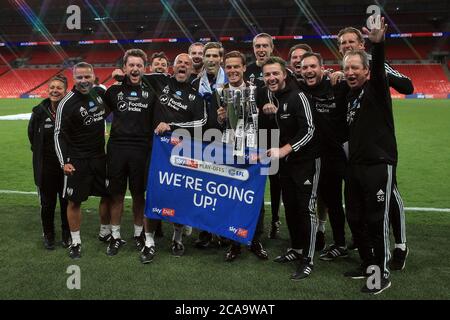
(320, 241)
(177, 248)
(113, 247)
(257, 248)
(75, 251)
(398, 260)
(66, 239)
(384, 284)
(289, 256)
(204, 240)
(303, 271)
(358, 273)
(139, 242)
(352, 246)
(221, 242)
(147, 254)
(106, 238)
(233, 252)
(274, 230)
(334, 252)
(49, 241)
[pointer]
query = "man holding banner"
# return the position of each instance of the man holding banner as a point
(299, 165)
(177, 106)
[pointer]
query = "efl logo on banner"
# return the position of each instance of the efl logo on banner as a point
(184, 188)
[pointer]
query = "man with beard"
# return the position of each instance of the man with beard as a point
(127, 151)
(234, 69)
(351, 39)
(80, 147)
(159, 63)
(195, 51)
(299, 163)
(171, 92)
(372, 158)
(330, 119)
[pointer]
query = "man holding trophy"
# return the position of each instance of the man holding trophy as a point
(238, 118)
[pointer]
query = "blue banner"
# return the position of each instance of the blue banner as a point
(189, 183)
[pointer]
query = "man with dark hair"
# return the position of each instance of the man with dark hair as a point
(128, 146)
(80, 147)
(195, 51)
(330, 118)
(351, 39)
(213, 76)
(299, 163)
(372, 158)
(234, 69)
(159, 63)
(209, 85)
(294, 57)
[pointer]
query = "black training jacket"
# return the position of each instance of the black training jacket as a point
(330, 116)
(132, 108)
(80, 126)
(294, 119)
(177, 103)
(40, 134)
(369, 116)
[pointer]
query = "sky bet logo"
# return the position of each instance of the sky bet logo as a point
(165, 212)
(242, 233)
(186, 162)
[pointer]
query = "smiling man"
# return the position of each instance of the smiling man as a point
(295, 58)
(299, 163)
(131, 102)
(210, 84)
(234, 69)
(372, 157)
(159, 63)
(195, 51)
(329, 105)
(177, 105)
(262, 49)
(80, 147)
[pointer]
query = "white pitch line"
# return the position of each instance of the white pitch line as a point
(266, 203)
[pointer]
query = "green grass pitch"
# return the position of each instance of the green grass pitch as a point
(28, 271)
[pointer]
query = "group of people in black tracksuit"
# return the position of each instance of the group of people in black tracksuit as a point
(330, 130)
(355, 141)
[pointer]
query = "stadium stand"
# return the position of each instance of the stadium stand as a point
(39, 57)
(33, 66)
(20, 81)
(437, 84)
(6, 57)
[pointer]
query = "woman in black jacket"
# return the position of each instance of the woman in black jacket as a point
(48, 175)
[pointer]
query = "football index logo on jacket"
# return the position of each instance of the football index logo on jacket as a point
(192, 189)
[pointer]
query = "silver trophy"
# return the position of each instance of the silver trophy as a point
(242, 119)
